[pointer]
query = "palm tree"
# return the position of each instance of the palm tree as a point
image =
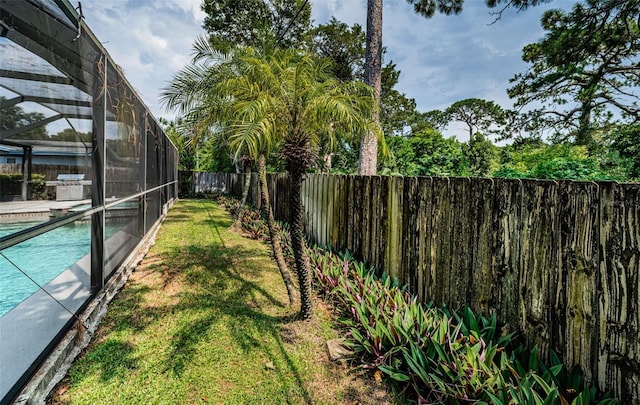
(289, 99)
(193, 92)
(304, 103)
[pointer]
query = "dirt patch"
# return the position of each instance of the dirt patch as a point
(288, 335)
(337, 379)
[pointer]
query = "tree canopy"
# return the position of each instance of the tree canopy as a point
(344, 45)
(583, 70)
(232, 22)
(14, 117)
(579, 87)
(479, 115)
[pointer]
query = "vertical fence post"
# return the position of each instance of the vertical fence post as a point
(98, 179)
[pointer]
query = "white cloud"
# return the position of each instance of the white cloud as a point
(443, 59)
(149, 39)
(348, 11)
(190, 6)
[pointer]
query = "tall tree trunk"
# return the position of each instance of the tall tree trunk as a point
(327, 158)
(584, 134)
(247, 180)
(373, 77)
(297, 240)
(274, 236)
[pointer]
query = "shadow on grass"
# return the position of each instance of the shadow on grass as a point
(119, 359)
(125, 312)
(219, 287)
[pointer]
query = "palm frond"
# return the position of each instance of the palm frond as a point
(255, 101)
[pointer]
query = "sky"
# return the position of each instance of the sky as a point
(443, 59)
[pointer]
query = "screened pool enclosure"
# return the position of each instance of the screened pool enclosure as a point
(86, 173)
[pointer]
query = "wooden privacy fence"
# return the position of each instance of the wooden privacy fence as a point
(558, 261)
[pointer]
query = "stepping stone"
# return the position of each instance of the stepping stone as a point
(337, 351)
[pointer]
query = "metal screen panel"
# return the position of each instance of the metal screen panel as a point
(54, 80)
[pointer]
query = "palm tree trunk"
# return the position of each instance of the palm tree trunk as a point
(298, 243)
(373, 77)
(274, 236)
(247, 180)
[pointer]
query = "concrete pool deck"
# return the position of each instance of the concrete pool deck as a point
(16, 211)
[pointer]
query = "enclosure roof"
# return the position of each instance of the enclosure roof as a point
(49, 151)
(48, 58)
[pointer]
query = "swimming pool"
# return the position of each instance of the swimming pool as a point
(43, 258)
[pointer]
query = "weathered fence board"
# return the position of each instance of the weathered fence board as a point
(558, 262)
(618, 353)
(575, 287)
(441, 239)
(505, 249)
(483, 283)
(537, 254)
(425, 281)
(393, 252)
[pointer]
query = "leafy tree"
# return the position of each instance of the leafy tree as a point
(626, 140)
(508, 172)
(559, 161)
(480, 155)
(565, 168)
(583, 69)
(71, 135)
(344, 158)
(186, 149)
(343, 45)
(434, 119)
(396, 110)
(232, 22)
(284, 98)
(215, 157)
(404, 161)
(309, 103)
(520, 5)
(373, 56)
(525, 156)
(14, 116)
(479, 115)
(427, 8)
(425, 153)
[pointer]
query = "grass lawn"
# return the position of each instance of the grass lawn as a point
(203, 319)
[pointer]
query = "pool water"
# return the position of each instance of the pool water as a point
(43, 258)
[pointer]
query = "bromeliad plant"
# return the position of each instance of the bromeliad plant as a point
(439, 357)
(250, 221)
(442, 356)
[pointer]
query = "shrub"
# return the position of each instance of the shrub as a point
(509, 173)
(11, 184)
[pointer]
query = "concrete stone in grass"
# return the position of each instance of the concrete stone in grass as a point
(337, 350)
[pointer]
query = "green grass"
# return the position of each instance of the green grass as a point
(204, 319)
